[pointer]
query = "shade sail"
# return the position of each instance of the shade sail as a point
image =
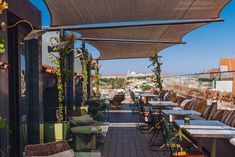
(110, 50)
(75, 12)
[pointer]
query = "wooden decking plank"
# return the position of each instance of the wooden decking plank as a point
(126, 141)
(119, 143)
(113, 143)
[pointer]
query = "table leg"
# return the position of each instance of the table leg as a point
(213, 147)
(200, 144)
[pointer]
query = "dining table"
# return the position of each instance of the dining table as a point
(179, 113)
(148, 96)
(162, 104)
(207, 129)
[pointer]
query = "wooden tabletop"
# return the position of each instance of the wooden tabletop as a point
(181, 112)
(206, 128)
(163, 104)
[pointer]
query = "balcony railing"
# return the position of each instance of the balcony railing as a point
(214, 86)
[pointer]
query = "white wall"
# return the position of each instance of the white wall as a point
(224, 86)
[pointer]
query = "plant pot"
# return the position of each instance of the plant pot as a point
(84, 108)
(56, 131)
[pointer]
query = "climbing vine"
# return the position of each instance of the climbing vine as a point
(84, 62)
(97, 79)
(4, 124)
(156, 64)
(2, 45)
(61, 70)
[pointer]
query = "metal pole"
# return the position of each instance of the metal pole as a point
(132, 24)
(132, 41)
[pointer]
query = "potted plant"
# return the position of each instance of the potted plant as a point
(62, 47)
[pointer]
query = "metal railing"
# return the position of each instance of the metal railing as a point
(218, 86)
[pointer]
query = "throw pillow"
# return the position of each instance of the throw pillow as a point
(82, 120)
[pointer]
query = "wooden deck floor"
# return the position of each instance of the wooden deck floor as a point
(125, 140)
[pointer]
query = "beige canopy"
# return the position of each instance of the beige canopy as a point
(111, 50)
(76, 12)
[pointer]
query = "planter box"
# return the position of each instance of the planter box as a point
(56, 131)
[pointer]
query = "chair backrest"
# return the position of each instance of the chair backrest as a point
(132, 95)
(169, 136)
(46, 148)
(168, 131)
(119, 97)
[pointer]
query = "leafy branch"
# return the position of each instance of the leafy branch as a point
(84, 62)
(156, 64)
(61, 70)
(2, 45)
(97, 79)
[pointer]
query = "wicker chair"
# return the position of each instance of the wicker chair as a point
(116, 100)
(46, 149)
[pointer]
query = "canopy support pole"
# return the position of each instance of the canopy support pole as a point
(132, 24)
(132, 41)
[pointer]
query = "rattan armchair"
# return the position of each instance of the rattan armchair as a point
(46, 149)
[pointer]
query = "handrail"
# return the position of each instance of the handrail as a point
(219, 72)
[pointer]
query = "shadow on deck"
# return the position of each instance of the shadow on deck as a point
(124, 139)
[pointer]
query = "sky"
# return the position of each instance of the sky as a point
(205, 46)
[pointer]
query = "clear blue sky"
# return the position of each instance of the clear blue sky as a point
(205, 46)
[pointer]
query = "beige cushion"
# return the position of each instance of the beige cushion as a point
(228, 116)
(209, 111)
(217, 115)
(205, 112)
(82, 120)
(213, 108)
(68, 153)
(180, 99)
(166, 95)
(233, 123)
(193, 104)
(185, 102)
(201, 105)
(173, 97)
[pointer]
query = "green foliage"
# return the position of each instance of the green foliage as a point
(97, 79)
(156, 64)
(2, 45)
(100, 116)
(146, 87)
(61, 71)
(116, 83)
(4, 124)
(85, 62)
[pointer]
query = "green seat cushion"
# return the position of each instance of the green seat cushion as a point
(86, 129)
(82, 120)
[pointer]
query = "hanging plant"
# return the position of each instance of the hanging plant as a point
(63, 46)
(156, 64)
